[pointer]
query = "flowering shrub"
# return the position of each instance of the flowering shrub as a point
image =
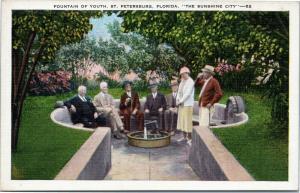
(50, 83)
(234, 77)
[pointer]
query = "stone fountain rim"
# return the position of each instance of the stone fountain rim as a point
(142, 139)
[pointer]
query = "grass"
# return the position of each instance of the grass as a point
(265, 158)
(44, 147)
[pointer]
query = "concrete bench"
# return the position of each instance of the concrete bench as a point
(62, 116)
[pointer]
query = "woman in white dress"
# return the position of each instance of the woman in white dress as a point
(185, 100)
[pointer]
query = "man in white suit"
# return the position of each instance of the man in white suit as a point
(104, 103)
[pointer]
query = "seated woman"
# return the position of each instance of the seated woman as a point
(130, 106)
(83, 111)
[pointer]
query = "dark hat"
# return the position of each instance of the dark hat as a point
(151, 85)
(126, 82)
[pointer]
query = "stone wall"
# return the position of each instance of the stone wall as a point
(92, 161)
(211, 161)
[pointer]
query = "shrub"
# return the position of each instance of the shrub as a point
(140, 85)
(50, 83)
(111, 83)
(235, 77)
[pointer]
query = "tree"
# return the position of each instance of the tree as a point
(77, 57)
(201, 37)
(145, 54)
(36, 36)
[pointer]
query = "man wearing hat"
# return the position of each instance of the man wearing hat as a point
(185, 100)
(171, 111)
(210, 94)
(104, 104)
(130, 106)
(155, 106)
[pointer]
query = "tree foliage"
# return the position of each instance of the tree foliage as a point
(36, 36)
(201, 37)
(146, 54)
(122, 52)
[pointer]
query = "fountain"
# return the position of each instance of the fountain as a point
(150, 137)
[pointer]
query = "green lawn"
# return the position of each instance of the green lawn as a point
(44, 147)
(265, 158)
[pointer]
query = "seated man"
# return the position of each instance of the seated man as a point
(83, 111)
(171, 111)
(155, 105)
(130, 106)
(104, 103)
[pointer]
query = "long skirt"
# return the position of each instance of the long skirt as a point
(185, 119)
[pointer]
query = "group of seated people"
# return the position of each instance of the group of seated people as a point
(102, 111)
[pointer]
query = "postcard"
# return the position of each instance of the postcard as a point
(149, 95)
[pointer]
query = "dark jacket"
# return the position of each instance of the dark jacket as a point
(154, 104)
(84, 110)
(133, 104)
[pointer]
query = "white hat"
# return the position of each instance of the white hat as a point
(209, 69)
(103, 85)
(184, 70)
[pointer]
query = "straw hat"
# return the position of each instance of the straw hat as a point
(209, 69)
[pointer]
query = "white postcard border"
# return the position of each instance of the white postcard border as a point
(27, 185)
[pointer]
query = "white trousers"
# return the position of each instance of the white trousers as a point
(205, 115)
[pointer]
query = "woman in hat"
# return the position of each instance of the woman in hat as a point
(210, 94)
(130, 106)
(185, 100)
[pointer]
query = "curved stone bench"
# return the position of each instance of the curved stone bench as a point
(62, 117)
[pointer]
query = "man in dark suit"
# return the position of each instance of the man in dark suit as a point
(130, 106)
(83, 111)
(171, 112)
(155, 106)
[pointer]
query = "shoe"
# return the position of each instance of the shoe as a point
(212, 124)
(189, 142)
(181, 139)
(223, 122)
(116, 136)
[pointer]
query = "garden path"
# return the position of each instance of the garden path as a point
(166, 163)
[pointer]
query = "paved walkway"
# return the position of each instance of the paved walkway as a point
(166, 163)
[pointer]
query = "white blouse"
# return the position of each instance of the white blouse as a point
(186, 92)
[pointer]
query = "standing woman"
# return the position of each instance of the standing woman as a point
(185, 100)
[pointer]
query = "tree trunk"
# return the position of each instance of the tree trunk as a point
(20, 92)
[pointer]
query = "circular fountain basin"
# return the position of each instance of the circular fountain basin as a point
(153, 140)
